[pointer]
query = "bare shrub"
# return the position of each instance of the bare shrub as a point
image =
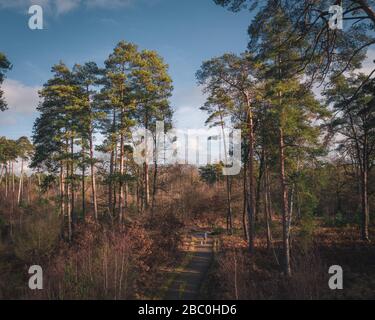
(101, 264)
(37, 237)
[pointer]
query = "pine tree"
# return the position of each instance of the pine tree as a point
(55, 135)
(292, 102)
(354, 121)
(119, 96)
(88, 78)
(152, 89)
(234, 76)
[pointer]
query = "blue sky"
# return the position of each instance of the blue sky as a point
(184, 32)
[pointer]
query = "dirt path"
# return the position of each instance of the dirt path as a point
(187, 279)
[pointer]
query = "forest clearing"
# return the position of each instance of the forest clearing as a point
(114, 201)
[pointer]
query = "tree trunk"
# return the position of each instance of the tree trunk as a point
(365, 207)
(111, 167)
(267, 208)
(68, 198)
(228, 180)
(83, 181)
(73, 214)
(284, 202)
(244, 220)
(121, 200)
(62, 191)
(259, 184)
(138, 192)
(13, 187)
(251, 199)
(2, 172)
(20, 185)
(93, 182)
(13, 178)
(147, 185)
(154, 189)
(229, 207)
(364, 192)
(6, 180)
(267, 222)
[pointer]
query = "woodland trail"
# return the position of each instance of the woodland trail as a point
(188, 278)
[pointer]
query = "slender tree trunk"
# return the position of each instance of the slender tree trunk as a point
(229, 206)
(267, 221)
(121, 202)
(244, 220)
(267, 207)
(138, 192)
(93, 182)
(20, 185)
(259, 184)
(365, 207)
(283, 185)
(146, 171)
(284, 202)
(69, 203)
(6, 180)
(2, 172)
(13, 187)
(110, 183)
(154, 189)
(13, 179)
(147, 185)
(115, 171)
(270, 209)
(111, 167)
(62, 190)
(251, 199)
(83, 181)
(364, 193)
(29, 187)
(228, 181)
(73, 213)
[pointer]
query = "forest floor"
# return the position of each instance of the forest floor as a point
(185, 281)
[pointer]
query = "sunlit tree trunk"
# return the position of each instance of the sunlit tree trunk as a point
(121, 200)
(147, 185)
(6, 180)
(154, 189)
(251, 198)
(244, 220)
(83, 181)
(122, 173)
(93, 182)
(62, 190)
(111, 167)
(2, 173)
(284, 203)
(20, 184)
(73, 214)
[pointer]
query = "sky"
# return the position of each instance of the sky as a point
(185, 33)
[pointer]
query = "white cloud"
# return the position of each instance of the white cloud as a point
(187, 103)
(63, 6)
(20, 98)
(109, 3)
